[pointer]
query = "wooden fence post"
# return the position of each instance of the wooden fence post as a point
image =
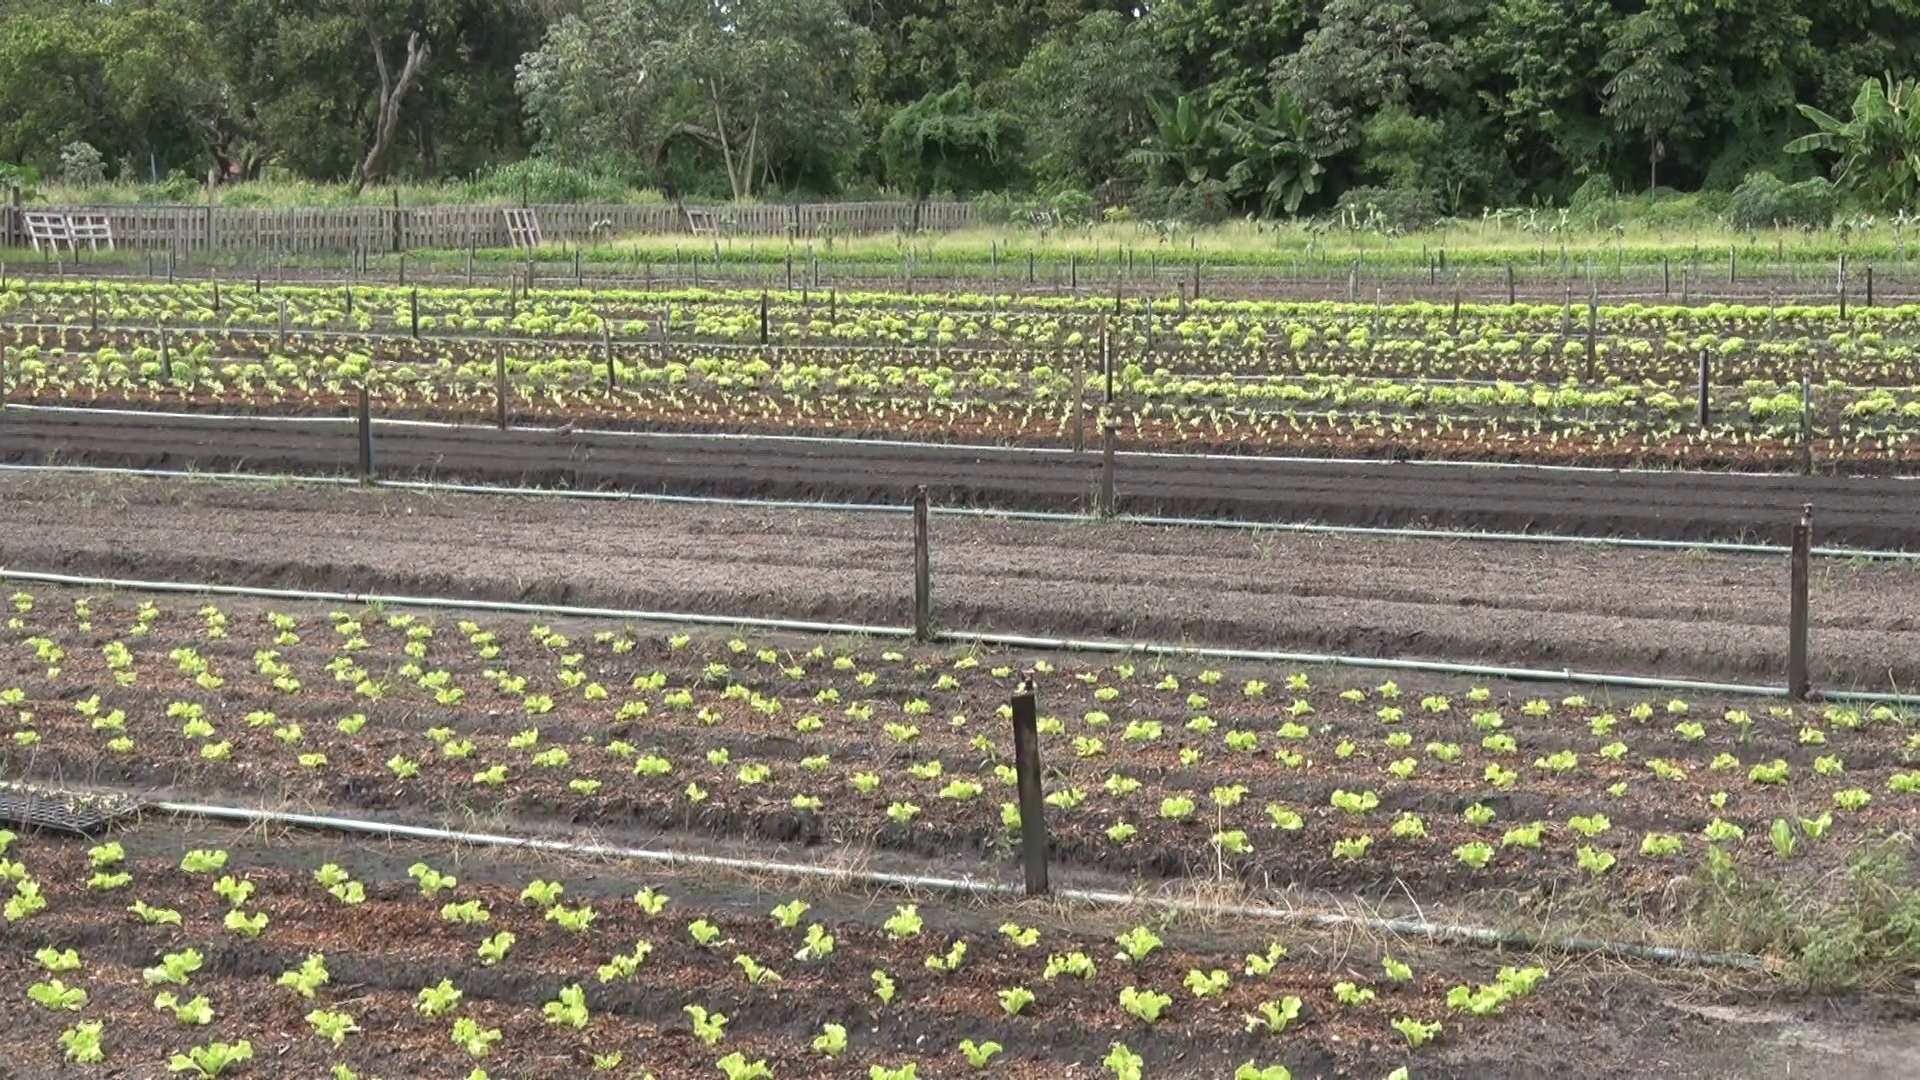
(1033, 806)
(500, 384)
(1106, 471)
(1705, 405)
(922, 568)
(364, 416)
(1799, 681)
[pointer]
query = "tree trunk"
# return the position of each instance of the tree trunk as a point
(392, 92)
(720, 136)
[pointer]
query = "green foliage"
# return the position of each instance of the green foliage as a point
(950, 143)
(1877, 147)
(1763, 200)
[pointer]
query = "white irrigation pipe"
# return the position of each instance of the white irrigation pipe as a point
(978, 513)
(969, 886)
(994, 640)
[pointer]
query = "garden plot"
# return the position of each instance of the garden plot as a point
(1521, 383)
(1155, 772)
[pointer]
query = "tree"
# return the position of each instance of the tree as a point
(1363, 55)
(1274, 143)
(304, 88)
(1084, 95)
(1649, 92)
(392, 92)
(1878, 146)
(753, 80)
(948, 142)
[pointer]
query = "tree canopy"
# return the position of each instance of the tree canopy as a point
(1194, 107)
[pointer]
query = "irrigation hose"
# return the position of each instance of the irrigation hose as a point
(986, 640)
(1482, 936)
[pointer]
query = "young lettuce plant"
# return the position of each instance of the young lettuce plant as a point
(1274, 1016)
(213, 1059)
(979, 1054)
(832, 1040)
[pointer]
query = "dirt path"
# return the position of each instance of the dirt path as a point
(1577, 607)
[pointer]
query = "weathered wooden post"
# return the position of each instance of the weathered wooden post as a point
(1799, 681)
(1106, 471)
(500, 385)
(922, 568)
(1033, 806)
(364, 414)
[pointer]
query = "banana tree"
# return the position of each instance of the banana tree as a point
(1273, 146)
(1189, 145)
(1878, 146)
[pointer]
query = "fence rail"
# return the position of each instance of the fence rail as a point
(387, 229)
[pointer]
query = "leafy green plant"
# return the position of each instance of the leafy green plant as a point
(735, 1066)
(904, 923)
(569, 1009)
(494, 949)
(310, 976)
(81, 1043)
(196, 1012)
(331, 1025)
(1138, 943)
(1352, 994)
(832, 1040)
(212, 1059)
(477, 1041)
(1274, 1016)
(437, 1000)
(1015, 1000)
(708, 1027)
(174, 968)
(58, 960)
(57, 995)
(1207, 984)
(883, 987)
(1147, 1005)
(1417, 1033)
(979, 1054)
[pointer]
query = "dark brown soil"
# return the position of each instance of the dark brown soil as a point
(1580, 1023)
(1580, 607)
(1860, 511)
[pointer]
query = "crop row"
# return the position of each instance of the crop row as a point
(207, 960)
(813, 392)
(1417, 334)
(1152, 770)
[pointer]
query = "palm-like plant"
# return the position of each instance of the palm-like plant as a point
(1878, 146)
(1273, 145)
(1189, 145)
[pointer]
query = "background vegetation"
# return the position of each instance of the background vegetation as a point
(1400, 112)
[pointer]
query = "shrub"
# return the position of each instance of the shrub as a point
(1387, 209)
(1763, 200)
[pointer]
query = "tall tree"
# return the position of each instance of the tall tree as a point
(1649, 91)
(753, 80)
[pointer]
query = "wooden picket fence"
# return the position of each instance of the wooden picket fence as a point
(376, 229)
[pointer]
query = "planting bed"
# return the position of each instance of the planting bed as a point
(1155, 772)
(379, 953)
(830, 751)
(1555, 606)
(1506, 384)
(1874, 512)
